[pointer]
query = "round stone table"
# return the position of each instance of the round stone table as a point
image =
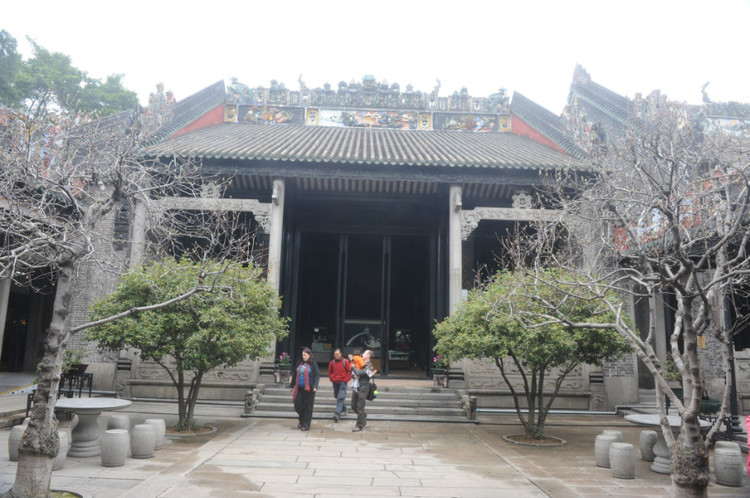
(661, 463)
(87, 432)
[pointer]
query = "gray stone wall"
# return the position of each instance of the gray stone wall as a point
(95, 277)
(712, 361)
(623, 367)
(484, 374)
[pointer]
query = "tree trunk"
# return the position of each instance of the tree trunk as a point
(690, 473)
(33, 476)
(181, 405)
(193, 397)
(40, 443)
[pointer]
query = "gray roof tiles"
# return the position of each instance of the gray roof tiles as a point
(363, 146)
(545, 122)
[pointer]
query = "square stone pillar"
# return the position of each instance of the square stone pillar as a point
(4, 295)
(275, 239)
(454, 248)
(138, 236)
(276, 233)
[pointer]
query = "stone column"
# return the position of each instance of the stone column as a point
(275, 239)
(276, 234)
(660, 337)
(138, 244)
(454, 248)
(4, 295)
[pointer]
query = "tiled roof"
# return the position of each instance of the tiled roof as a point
(363, 146)
(544, 122)
(605, 100)
(191, 108)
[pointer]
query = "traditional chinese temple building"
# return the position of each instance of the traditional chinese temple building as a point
(378, 206)
(377, 210)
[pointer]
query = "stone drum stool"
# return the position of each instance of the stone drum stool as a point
(601, 449)
(616, 434)
(728, 463)
(114, 443)
(59, 461)
(142, 440)
(161, 430)
(16, 433)
(622, 460)
(647, 442)
(119, 421)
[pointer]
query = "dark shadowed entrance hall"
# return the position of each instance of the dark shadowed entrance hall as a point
(363, 272)
(365, 291)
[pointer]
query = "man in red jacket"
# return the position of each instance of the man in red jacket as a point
(339, 373)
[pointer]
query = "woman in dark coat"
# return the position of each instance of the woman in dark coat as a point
(304, 385)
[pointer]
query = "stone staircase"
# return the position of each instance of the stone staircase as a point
(415, 404)
(646, 403)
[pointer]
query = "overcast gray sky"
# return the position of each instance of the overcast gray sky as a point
(529, 46)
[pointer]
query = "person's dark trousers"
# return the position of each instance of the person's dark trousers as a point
(303, 405)
(359, 398)
(339, 392)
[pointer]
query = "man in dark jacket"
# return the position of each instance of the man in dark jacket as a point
(339, 373)
(359, 396)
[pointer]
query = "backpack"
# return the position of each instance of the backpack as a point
(373, 392)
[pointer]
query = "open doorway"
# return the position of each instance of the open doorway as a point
(409, 326)
(365, 291)
(28, 314)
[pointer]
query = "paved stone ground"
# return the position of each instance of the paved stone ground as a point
(269, 457)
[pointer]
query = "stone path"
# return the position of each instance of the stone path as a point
(268, 457)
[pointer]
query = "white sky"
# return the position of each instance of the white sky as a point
(529, 46)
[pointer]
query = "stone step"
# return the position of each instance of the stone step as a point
(372, 407)
(393, 403)
(351, 418)
(391, 392)
(9, 419)
(323, 399)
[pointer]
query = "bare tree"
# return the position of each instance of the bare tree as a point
(61, 184)
(664, 211)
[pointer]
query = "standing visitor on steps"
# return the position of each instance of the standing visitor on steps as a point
(339, 373)
(357, 362)
(304, 386)
(359, 394)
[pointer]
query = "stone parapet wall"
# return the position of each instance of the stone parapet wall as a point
(483, 374)
(503, 399)
(209, 391)
(146, 379)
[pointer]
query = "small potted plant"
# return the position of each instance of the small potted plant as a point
(438, 364)
(72, 361)
(284, 366)
(438, 370)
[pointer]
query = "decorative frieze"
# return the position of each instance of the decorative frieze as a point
(472, 217)
(369, 104)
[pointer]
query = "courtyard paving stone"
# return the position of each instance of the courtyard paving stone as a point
(266, 457)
